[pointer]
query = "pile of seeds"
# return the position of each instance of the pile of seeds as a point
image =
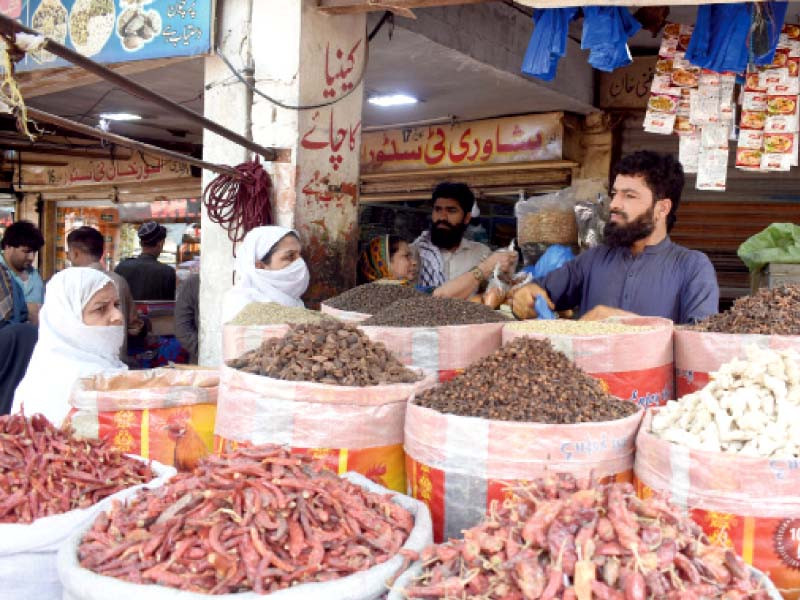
(526, 381)
(768, 312)
(372, 297)
(328, 352)
(428, 311)
(271, 313)
(576, 328)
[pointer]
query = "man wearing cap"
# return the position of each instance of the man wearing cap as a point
(444, 253)
(148, 278)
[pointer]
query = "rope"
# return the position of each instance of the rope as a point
(240, 204)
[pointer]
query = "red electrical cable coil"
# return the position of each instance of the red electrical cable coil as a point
(240, 204)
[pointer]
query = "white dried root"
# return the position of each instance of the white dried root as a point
(750, 407)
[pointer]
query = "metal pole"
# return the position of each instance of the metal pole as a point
(40, 115)
(11, 27)
(7, 143)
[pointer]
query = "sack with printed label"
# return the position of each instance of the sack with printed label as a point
(636, 366)
(459, 465)
(162, 414)
(350, 428)
(748, 504)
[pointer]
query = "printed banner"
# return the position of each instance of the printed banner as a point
(525, 138)
(112, 31)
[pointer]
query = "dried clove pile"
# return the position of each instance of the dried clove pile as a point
(428, 311)
(768, 312)
(526, 381)
(372, 297)
(329, 352)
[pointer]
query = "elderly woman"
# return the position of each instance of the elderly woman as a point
(80, 333)
(270, 269)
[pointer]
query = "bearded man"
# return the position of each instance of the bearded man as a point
(637, 270)
(444, 253)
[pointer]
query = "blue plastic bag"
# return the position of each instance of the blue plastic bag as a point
(548, 42)
(776, 14)
(553, 258)
(606, 30)
(542, 309)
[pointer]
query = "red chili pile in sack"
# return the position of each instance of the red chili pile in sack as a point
(557, 539)
(46, 471)
(255, 519)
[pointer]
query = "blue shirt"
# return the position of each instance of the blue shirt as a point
(665, 280)
(33, 287)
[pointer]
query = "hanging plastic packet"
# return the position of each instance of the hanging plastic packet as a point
(548, 42)
(606, 30)
(720, 39)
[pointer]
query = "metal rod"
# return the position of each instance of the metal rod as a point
(40, 115)
(62, 149)
(11, 27)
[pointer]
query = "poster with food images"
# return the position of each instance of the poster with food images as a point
(113, 31)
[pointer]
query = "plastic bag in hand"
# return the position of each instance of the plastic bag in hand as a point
(606, 30)
(548, 42)
(542, 309)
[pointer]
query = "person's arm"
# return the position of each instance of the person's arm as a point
(466, 285)
(561, 288)
(186, 316)
(700, 295)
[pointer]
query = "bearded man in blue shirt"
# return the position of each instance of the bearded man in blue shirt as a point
(638, 270)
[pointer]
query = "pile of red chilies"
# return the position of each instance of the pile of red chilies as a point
(557, 539)
(46, 471)
(256, 519)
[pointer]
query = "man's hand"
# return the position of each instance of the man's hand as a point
(507, 261)
(600, 312)
(523, 298)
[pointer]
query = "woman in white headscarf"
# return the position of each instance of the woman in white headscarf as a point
(80, 333)
(269, 268)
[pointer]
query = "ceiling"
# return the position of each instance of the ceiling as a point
(447, 82)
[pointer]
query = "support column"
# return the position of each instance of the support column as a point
(299, 56)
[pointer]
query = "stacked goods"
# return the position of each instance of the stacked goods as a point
(330, 352)
(631, 356)
(444, 335)
(326, 389)
(512, 416)
(359, 303)
(729, 455)
(261, 321)
(255, 520)
(163, 414)
(769, 317)
(558, 539)
(52, 483)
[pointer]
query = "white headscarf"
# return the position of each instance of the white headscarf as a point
(284, 286)
(67, 349)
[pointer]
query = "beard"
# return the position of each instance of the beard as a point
(619, 235)
(446, 236)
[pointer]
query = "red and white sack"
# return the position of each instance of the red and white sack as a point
(351, 428)
(699, 353)
(748, 504)
(347, 316)
(459, 465)
(28, 551)
(446, 350)
(636, 366)
(239, 339)
(147, 413)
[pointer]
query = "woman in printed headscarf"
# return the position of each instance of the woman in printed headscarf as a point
(388, 257)
(270, 269)
(80, 333)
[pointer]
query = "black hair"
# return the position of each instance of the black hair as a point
(267, 258)
(394, 244)
(459, 192)
(88, 240)
(662, 174)
(22, 233)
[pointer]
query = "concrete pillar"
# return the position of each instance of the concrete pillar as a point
(299, 57)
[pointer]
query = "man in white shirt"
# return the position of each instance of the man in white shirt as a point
(444, 253)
